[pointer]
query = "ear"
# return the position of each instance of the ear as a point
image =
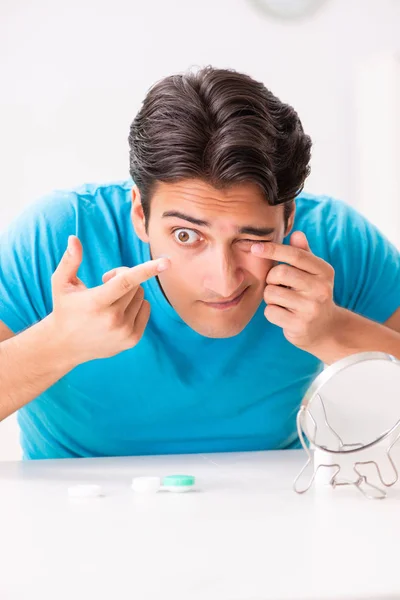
(290, 222)
(137, 215)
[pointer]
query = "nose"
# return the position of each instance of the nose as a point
(223, 276)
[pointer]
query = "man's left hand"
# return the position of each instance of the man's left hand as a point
(304, 307)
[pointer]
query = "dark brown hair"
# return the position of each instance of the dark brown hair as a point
(222, 127)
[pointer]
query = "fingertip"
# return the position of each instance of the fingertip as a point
(257, 248)
(70, 246)
(163, 264)
(298, 238)
(74, 247)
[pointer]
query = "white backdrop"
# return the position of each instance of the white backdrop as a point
(73, 75)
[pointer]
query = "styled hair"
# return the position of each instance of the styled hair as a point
(222, 127)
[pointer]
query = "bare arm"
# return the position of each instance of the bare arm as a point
(30, 363)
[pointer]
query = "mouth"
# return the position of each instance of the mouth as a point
(226, 305)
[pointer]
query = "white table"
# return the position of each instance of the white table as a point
(245, 535)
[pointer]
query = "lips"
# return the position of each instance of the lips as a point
(227, 304)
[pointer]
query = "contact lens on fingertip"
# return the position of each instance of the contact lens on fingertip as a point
(163, 264)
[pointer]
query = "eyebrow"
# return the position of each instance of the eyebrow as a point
(248, 229)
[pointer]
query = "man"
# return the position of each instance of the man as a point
(196, 301)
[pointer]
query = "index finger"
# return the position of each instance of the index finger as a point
(297, 257)
(129, 280)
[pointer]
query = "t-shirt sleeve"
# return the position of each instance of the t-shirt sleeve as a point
(30, 250)
(367, 265)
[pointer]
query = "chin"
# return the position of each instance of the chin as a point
(215, 331)
(216, 326)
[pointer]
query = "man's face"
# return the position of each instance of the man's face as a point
(214, 282)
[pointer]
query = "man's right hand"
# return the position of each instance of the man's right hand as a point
(102, 321)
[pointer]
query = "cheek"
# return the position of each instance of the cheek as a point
(182, 274)
(189, 270)
(194, 270)
(259, 267)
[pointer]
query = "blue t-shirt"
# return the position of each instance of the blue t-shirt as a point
(176, 391)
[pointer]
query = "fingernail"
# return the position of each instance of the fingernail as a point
(70, 247)
(163, 265)
(257, 248)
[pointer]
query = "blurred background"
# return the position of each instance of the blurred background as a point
(73, 75)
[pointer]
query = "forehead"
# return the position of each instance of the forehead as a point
(200, 199)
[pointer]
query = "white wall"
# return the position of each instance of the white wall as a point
(73, 75)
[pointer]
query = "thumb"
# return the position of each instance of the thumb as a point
(299, 240)
(66, 272)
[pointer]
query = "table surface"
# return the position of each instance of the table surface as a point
(243, 535)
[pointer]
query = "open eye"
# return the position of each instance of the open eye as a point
(186, 237)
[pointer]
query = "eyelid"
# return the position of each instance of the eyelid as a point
(258, 241)
(186, 229)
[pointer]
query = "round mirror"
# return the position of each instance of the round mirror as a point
(352, 410)
(353, 404)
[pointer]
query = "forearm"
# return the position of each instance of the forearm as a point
(30, 363)
(353, 334)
